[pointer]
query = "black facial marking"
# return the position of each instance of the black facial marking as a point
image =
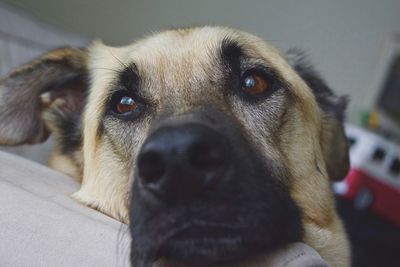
(230, 54)
(129, 77)
(231, 51)
(71, 126)
(247, 212)
(327, 100)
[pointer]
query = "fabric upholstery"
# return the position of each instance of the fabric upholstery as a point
(40, 225)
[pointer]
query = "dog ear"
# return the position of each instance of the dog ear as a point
(333, 140)
(56, 78)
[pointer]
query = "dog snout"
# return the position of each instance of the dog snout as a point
(181, 161)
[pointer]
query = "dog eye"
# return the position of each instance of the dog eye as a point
(126, 104)
(254, 84)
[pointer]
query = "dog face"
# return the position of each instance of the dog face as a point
(208, 140)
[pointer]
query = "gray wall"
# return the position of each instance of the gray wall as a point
(344, 38)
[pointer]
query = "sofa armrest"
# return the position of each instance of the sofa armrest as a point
(40, 225)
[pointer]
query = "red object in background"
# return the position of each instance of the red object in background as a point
(373, 181)
(368, 192)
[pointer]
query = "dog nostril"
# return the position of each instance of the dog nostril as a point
(151, 166)
(179, 162)
(207, 157)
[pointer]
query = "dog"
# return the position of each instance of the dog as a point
(213, 144)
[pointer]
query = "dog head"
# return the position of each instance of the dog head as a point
(215, 146)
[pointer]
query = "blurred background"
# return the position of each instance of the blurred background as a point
(354, 44)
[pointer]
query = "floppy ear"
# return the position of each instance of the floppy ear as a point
(59, 76)
(333, 139)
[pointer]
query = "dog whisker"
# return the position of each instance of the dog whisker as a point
(122, 64)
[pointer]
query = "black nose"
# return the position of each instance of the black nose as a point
(182, 161)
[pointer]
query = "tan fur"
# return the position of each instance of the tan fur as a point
(177, 67)
(64, 164)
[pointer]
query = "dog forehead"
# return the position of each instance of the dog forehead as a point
(174, 44)
(178, 59)
(186, 51)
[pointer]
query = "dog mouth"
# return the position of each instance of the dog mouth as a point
(194, 242)
(203, 245)
(212, 234)
(207, 233)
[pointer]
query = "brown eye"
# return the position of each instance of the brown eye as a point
(126, 104)
(254, 84)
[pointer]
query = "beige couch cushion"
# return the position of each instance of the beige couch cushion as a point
(40, 225)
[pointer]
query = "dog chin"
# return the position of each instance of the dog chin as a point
(203, 247)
